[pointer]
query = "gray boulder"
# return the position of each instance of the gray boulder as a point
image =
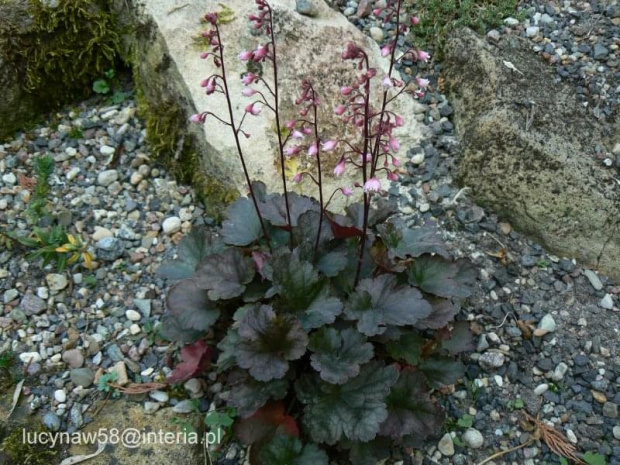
(527, 149)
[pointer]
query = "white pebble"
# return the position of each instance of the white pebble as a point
(132, 315)
(171, 225)
(541, 389)
(60, 395)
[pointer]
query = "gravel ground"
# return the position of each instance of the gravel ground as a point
(547, 328)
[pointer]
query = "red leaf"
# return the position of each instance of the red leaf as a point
(267, 421)
(196, 359)
(341, 231)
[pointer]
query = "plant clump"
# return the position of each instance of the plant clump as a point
(333, 331)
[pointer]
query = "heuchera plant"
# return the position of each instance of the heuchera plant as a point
(332, 330)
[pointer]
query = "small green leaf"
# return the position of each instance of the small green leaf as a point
(338, 356)
(378, 302)
(594, 459)
(267, 343)
(118, 97)
(225, 275)
(466, 421)
(215, 419)
(101, 86)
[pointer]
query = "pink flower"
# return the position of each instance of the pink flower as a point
(245, 55)
(195, 118)
(423, 83)
(347, 191)
(376, 11)
(261, 52)
(346, 90)
(306, 130)
(339, 169)
(297, 177)
(399, 121)
(394, 144)
(330, 145)
(313, 149)
(290, 124)
(248, 92)
(387, 81)
(211, 18)
(395, 162)
(423, 56)
(248, 79)
(392, 176)
(297, 135)
(340, 109)
(252, 108)
(372, 185)
(386, 50)
(415, 20)
(293, 150)
(204, 55)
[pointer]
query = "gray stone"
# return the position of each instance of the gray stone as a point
(10, 295)
(73, 358)
(511, 22)
(51, 421)
(546, 325)
(616, 432)
(594, 279)
(473, 438)
(446, 445)
(532, 31)
(110, 249)
(607, 302)
(376, 33)
(56, 282)
(491, 360)
(610, 410)
(107, 177)
(144, 305)
(306, 7)
(600, 51)
(523, 140)
(82, 377)
(32, 305)
(185, 406)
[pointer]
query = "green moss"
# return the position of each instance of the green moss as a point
(440, 17)
(17, 450)
(176, 149)
(64, 49)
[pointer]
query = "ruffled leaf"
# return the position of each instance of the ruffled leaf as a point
(225, 275)
(303, 293)
(195, 246)
(407, 348)
(333, 262)
(273, 208)
(242, 224)
(410, 409)
(443, 312)
(338, 355)
(248, 395)
(403, 242)
(227, 347)
(196, 359)
(370, 453)
(461, 339)
(268, 342)
(191, 307)
(288, 450)
(378, 302)
(443, 278)
(307, 228)
(171, 330)
(353, 410)
(442, 371)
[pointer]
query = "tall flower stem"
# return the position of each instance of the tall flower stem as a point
(318, 164)
(366, 131)
(277, 113)
(235, 131)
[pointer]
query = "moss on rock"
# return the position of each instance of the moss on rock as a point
(50, 53)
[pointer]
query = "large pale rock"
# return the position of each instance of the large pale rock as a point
(527, 149)
(308, 47)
